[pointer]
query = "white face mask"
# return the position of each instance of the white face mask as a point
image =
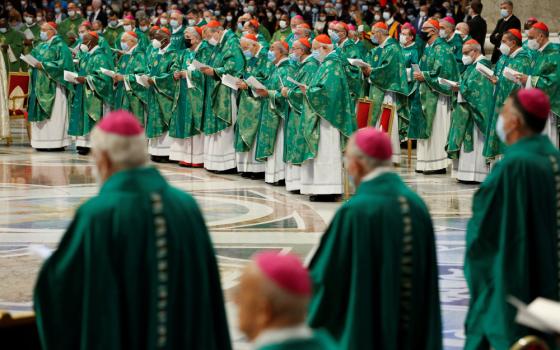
(213, 42)
(402, 39)
(504, 49)
(283, 24)
(163, 21)
(533, 44)
(377, 17)
(29, 20)
(229, 18)
(174, 23)
(443, 33)
(192, 22)
(422, 14)
(386, 15)
(156, 44)
(467, 60)
(127, 27)
(71, 13)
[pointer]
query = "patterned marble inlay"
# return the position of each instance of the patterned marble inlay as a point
(40, 192)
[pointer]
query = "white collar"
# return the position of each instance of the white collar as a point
(31, 25)
(514, 53)
(129, 52)
(376, 173)
(390, 21)
(409, 45)
(507, 18)
(479, 58)
(177, 29)
(258, 52)
(277, 336)
(93, 49)
(544, 46)
(282, 60)
(223, 35)
(164, 50)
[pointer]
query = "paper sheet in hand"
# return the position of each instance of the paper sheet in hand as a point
(295, 82)
(190, 84)
(542, 314)
(446, 82)
(107, 72)
(484, 70)
(415, 67)
(142, 80)
(28, 34)
(40, 251)
(199, 65)
(70, 77)
(511, 74)
(255, 84)
(358, 63)
(30, 60)
(230, 81)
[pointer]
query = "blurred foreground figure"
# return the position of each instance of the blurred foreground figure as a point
(136, 268)
(512, 238)
(375, 273)
(273, 296)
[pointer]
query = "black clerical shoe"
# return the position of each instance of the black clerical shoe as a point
(279, 183)
(83, 151)
(232, 171)
(245, 175)
(324, 198)
(59, 149)
(436, 172)
(295, 192)
(159, 159)
(257, 176)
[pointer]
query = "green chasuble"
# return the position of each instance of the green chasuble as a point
(36, 30)
(14, 39)
(251, 105)
(413, 105)
(296, 147)
(346, 50)
(70, 25)
(56, 58)
(456, 43)
(90, 97)
(545, 74)
(437, 62)
(162, 95)
(474, 109)
(512, 242)
(320, 340)
(388, 74)
(275, 109)
(375, 277)
(130, 95)
(227, 58)
(111, 34)
(328, 97)
(281, 34)
(134, 270)
(187, 118)
(521, 62)
(177, 40)
(264, 33)
(143, 42)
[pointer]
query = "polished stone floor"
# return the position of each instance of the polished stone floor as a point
(39, 193)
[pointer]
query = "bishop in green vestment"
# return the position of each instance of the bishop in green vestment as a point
(453, 39)
(72, 22)
(93, 95)
(220, 107)
(346, 49)
(177, 30)
(33, 28)
(129, 94)
(135, 268)
(113, 31)
(512, 237)
(389, 87)
(471, 113)
(186, 126)
(297, 147)
(545, 74)
(49, 92)
(517, 59)
(272, 299)
(161, 95)
(411, 55)
(375, 277)
(270, 137)
(431, 127)
(329, 121)
(11, 44)
(251, 107)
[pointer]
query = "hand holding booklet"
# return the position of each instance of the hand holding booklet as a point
(449, 83)
(30, 60)
(295, 82)
(70, 77)
(230, 81)
(358, 63)
(107, 72)
(487, 72)
(255, 84)
(542, 314)
(199, 65)
(143, 80)
(511, 74)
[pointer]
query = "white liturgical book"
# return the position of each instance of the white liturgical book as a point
(230, 81)
(295, 82)
(255, 84)
(30, 60)
(142, 80)
(542, 314)
(511, 74)
(484, 70)
(446, 82)
(107, 72)
(358, 63)
(70, 77)
(199, 65)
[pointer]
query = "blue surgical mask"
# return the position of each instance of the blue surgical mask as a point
(334, 36)
(248, 54)
(374, 39)
(316, 55)
(293, 58)
(124, 46)
(271, 56)
(500, 129)
(240, 26)
(44, 36)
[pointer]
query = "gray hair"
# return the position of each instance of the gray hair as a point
(506, 2)
(124, 152)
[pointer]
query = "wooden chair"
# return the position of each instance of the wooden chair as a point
(18, 331)
(18, 96)
(530, 342)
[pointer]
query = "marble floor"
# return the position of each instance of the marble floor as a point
(40, 191)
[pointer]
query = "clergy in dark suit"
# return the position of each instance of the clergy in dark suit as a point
(477, 24)
(421, 18)
(507, 22)
(98, 13)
